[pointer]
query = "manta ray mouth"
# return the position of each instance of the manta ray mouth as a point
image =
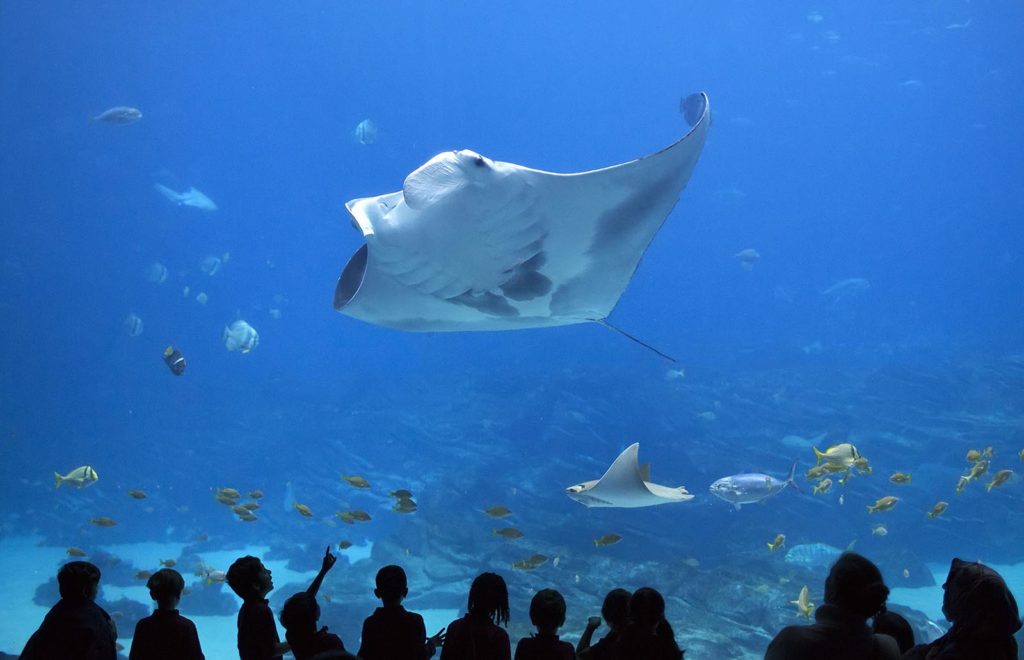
(351, 279)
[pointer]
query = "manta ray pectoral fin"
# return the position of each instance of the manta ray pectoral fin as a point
(645, 471)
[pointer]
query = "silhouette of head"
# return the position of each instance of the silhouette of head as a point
(249, 578)
(547, 610)
(895, 626)
(78, 579)
(615, 609)
(392, 585)
(855, 585)
(300, 613)
(165, 586)
(977, 600)
(646, 608)
(488, 596)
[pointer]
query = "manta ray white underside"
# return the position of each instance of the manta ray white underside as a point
(626, 484)
(471, 243)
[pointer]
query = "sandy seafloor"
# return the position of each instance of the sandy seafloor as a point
(26, 565)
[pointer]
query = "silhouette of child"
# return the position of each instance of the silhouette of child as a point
(547, 613)
(165, 634)
(299, 617)
(648, 635)
(615, 611)
(392, 632)
(252, 581)
(76, 627)
(895, 626)
(854, 592)
(478, 635)
(984, 615)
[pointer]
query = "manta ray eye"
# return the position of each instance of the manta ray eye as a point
(480, 162)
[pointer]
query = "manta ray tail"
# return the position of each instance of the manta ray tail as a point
(789, 479)
(606, 324)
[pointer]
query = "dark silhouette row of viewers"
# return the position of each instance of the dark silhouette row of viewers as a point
(976, 600)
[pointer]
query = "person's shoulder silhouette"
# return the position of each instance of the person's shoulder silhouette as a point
(479, 634)
(392, 632)
(984, 615)
(854, 592)
(76, 627)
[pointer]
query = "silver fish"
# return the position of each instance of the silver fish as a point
(813, 555)
(120, 114)
(742, 489)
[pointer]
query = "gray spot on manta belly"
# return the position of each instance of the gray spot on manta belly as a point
(525, 283)
(487, 302)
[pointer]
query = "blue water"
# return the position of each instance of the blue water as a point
(849, 140)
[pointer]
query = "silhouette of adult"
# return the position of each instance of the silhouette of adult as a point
(854, 592)
(984, 616)
(648, 635)
(76, 628)
(478, 635)
(615, 611)
(895, 626)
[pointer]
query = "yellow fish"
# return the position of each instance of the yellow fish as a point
(961, 484)
(75, 552)
(402, 494)
(979, 468)
(780, 540)
(80, 477)
(803, 603)
(879, 530)
(529, 564)
(843, 454)
(168, 563)
(823, 486)
(900, 478)
(229, 493)
(355, 482)
(361, 516)
(303, 509)
(938, 509)
(497, 511)
(137, 494)
(344, 545)
(862, 465)
(606, 540)
(998, 479)
(883, 504)
(346, 517)
(103, 521)
(508, 533)
(973, 456)
(255, 494)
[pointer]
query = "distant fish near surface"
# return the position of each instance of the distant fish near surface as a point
(740, 489)
(366, 132)
(748, 258)
(848, 288)
(156, 273)
(210, 264)
(132, 325)
(137, 494)
(103, 521)
(190, 197)
(120, 114)
(80, 477)
(626, 484)
(812, 555)
(240, 336)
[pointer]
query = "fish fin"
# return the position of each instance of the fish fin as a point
(789, 479)
(57, 480)
(849, 548)
(645, 471)
(737, 505)
(818, 455)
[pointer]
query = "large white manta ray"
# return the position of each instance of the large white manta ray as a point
(627, 485)
(471, 243)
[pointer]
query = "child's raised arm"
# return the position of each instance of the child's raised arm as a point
(329, 561)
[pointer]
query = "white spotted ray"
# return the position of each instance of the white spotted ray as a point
(471, 243)
(626, 484)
